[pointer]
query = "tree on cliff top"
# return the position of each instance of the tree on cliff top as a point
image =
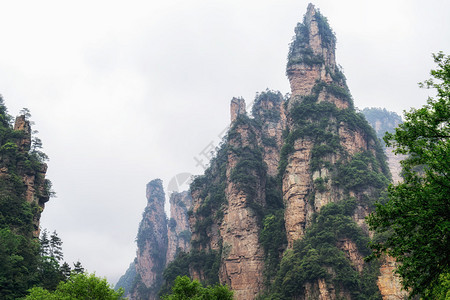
(416, 218)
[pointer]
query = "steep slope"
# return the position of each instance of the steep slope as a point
(158, 241)
(152, 245)
(325, 133)
(382, 120)
(127, 280)
(331, 159)
(230, 199)
(179, 234)
(22, 169)
(386, 121)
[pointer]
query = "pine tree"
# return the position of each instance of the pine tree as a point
(78, 268)
(65, 270)
(56, 247)
(45, 243)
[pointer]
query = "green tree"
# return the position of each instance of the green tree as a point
(79, 286)
(65, 271)
(416, 218)
(56, 247)
(18, 264)
(50, 270)
(185, 289)
(78, 268)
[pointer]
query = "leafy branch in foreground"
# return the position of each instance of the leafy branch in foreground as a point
(416, 218)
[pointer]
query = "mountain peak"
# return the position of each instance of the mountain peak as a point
(311, 55)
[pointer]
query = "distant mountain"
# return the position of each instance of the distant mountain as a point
(382, 120)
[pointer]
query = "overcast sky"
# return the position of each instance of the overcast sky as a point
(123, 92)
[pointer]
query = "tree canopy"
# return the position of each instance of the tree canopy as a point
(185, 289)
(78, 286)
(416, 219)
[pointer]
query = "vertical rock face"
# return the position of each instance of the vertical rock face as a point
(269, 110)
(158, 242)
(324, 128)
(388, 282)
(23, 125)
(394, 164)
(230, 197)
(152, 244)
(332, 155)
(386, 121)
(312, 54)
(37, 188)
(242, 264)
(237, 107)
(179, 234)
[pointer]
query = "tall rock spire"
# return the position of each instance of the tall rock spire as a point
(152, 244)
(312, 54)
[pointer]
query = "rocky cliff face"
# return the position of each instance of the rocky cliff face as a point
(386, 121)
(229, 198)
(158, 242)
(394, 163)
(242, 263)
(152, 244)
(22, 170)
(331, 146)
(179, 234)
(388, 282)
(338, 134)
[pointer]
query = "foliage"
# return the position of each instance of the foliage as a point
(300, 51)
(248, 170)
(320, 184)
(273, 239)
(361, 172)
(418, 210)
(312, 121)
(172, 224)
(317, 122)
(326, 33)
(205, 262)
(184, 288)
(441, 290)
(18, 264)
(50, 270)
(261, 112)
(211, 189)
(317, 256)
(78, 286)
(15, 213)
